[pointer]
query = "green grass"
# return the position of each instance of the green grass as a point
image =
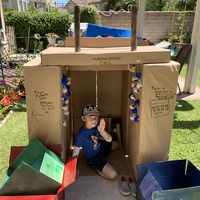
(185, 141)
(183, 74)
(13, 133)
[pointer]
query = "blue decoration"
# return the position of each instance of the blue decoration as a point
(68, 87)
(65, 98)
(64, 80)
(134, 111)
(136, 119)
(138, 75)
(68, 93)
(137, 102)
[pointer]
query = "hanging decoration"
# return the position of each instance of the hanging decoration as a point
(136, 84)
(66, 82)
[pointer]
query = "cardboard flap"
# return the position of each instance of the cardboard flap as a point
(183, 193)
(16, 150)
(68, 178)
(69, 173)
(30, 197)
(169, 174)
(33, 151)
(31, 182)
(192, 177)
(149, 185)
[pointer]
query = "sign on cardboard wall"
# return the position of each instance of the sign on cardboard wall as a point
(157, 112)
(43, 98)
(151, 136)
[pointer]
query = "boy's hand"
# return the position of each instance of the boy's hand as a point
(102, 125)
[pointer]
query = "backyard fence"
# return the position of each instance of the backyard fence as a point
(10, 36)
(156, 24)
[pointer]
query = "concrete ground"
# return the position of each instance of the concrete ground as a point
(184, 96)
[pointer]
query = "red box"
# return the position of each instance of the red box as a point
(68, 177)
(16, 150)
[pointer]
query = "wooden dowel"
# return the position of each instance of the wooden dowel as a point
(77, 28)
(133, 28)
(119, 134)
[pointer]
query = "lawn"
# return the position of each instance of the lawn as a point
(183, 74)
(13, 133)
(185, 141)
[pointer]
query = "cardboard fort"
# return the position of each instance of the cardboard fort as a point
(36, 173)
(176, 179)
(138, 87)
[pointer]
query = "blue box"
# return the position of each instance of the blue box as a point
(168, 180)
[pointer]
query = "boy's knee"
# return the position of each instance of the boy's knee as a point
(113, 175)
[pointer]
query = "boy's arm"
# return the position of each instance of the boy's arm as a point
(104, 134)
(76, 151)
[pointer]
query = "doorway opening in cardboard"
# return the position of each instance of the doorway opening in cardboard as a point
(109, 90)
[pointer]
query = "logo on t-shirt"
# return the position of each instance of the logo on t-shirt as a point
(95, 141)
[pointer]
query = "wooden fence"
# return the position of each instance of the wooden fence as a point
(10, 37)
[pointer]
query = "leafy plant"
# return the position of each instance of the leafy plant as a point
(8, 97)
(38, 44)
(89, 13)
(35, 22)
(18, 62)
(117, 5)
(180, 36)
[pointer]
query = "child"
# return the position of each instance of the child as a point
(88, 138)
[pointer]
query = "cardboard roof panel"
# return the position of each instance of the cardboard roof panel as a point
(104, 56)
(104, 42)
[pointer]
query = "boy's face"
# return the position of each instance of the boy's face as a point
(90, 121)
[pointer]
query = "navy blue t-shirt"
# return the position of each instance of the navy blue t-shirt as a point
(88, 139)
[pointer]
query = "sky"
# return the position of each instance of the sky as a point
(61, 3)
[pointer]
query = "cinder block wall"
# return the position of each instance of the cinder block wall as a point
(156, 24)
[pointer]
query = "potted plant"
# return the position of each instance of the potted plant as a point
(51, 37)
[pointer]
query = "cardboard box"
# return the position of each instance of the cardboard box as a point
(168, 180)
(151, 137)
(104, 42)
(104, 57)
(15, 151)
(45, 115)
(68, 176)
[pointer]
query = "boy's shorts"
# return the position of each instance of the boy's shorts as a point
(98, 162)
(105, 147)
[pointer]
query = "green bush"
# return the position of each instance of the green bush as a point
(36, 23)
(184, 38)
(89, 13)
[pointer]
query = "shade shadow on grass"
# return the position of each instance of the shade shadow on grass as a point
(186, 124)
(184, 110)
(183, 106)
(21, 107)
